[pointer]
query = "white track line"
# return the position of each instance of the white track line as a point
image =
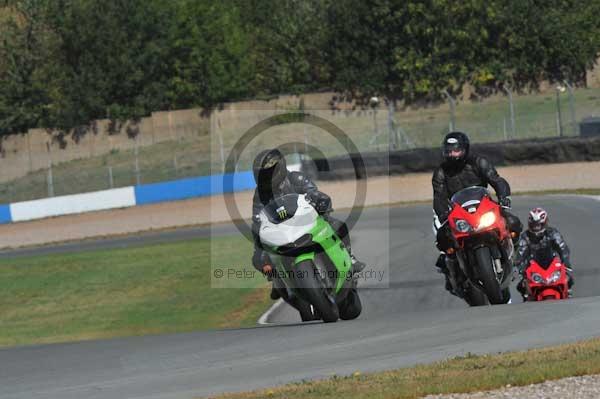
(264, 319)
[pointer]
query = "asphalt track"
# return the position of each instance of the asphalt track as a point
(408, 318)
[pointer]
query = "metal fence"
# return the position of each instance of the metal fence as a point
(507, 116)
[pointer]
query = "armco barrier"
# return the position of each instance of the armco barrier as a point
(193, 187)
(70, 204)
(127, 196)
(525, 152)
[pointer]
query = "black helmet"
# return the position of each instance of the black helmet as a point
(269, 168)
(455, 148)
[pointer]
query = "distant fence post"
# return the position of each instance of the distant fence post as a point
(452, 103)
(572, 107)
(305, 140)
(50, 180)
(110, 177)
(29, 150)
(392, 135)
(559, 124)
(374, 104)
(137, 163)
(513, 125)
(213, 123)
(49, 176)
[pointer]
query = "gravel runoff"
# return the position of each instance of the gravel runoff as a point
(585, 387)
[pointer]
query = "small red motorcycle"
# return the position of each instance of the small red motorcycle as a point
(483, 246)
(546, 277)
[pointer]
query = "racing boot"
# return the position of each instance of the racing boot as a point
(275, 295)
(440, 264)
(451, 260)
(442, 267)
(521, 289)
(357, 266)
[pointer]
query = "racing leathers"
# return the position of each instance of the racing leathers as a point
(531, 243)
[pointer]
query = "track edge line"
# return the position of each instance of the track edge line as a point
(263, 320)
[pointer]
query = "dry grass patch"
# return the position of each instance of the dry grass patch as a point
(469, 373)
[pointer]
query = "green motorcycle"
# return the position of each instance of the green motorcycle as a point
(312, 266)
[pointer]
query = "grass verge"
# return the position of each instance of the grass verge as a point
(155, 289)
(458, 375)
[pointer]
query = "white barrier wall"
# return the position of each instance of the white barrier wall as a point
(69, 204)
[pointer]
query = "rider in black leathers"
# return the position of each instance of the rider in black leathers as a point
(538, 236)
(273, 180)
(460, 170)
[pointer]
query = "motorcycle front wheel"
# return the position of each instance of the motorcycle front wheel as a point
(309, 286)
(487, 276)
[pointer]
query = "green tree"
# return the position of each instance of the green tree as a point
(209, 49)
(113, 60)
(408, 50)
(288, 44)
(25, 45)
(64, 63)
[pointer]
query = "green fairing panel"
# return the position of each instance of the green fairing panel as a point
(306, 256)
(324, 235)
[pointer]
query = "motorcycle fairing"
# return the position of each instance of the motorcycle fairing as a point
(314, 233)
(292, 228)
(474, 219)
(545, 289)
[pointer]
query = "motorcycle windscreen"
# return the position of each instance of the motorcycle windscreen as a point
(470, 196)
(544, 256)
(282, 208)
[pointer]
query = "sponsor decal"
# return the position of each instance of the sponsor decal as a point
(282, 212)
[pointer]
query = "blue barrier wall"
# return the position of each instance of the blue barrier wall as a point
(193, 187)
(118, 198)
(5, 214)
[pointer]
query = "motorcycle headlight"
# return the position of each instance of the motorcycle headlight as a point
(487, 220)
(537, 278)
(463, 226)
(554, 277)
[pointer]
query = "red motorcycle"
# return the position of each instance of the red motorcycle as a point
(546, 277)
(483, 246)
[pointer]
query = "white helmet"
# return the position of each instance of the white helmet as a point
(538, 220)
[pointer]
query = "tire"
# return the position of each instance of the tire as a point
(297, 303)
(487, 275)
(351, 308)
(310, 288)
(475, 297)
(304, 309)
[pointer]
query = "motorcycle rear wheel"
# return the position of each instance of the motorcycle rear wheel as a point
(351, 307)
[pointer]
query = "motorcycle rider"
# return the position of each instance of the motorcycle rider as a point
(540, 235)
(272, 180)
(460, 170)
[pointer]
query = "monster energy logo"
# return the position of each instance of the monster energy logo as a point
(282, 212)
